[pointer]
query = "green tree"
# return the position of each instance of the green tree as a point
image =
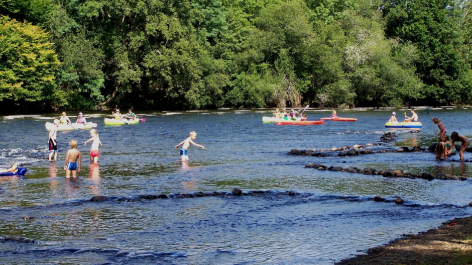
(28, 65)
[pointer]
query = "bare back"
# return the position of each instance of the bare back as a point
(72, 155)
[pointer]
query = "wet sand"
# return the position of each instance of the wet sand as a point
(450, 243)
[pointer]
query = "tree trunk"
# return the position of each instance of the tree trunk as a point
(111, 97)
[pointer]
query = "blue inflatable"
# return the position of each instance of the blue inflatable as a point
(21, 171)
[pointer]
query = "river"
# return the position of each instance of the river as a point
(298, 216)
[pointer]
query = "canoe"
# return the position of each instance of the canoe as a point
(338, 119)
(70, 127)
(274, 119)
(412, 124)
(21, 171)
(299, 122)
(120, 122)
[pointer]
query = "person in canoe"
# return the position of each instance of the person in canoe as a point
(80, 119)
(117, 115)
(455, 137)
(130, 115)
(293, 113)
(334, 115)
(303, 118)
(393, 118)
(277, 114)
(442, 129)
(413, 118)
(64, 119)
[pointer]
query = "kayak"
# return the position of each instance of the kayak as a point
(120, 122)
(274, 119)
(20, 171)
(411, 124)
(70, 127)
(339, 119)
(299, 122)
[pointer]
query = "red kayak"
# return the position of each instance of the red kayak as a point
(338, 119)
(299, 122)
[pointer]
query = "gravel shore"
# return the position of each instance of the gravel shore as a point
(450, 243)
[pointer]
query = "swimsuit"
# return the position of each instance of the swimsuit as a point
(52, 146)
(81, 120)
(94, 153)
(71, 166)
(183, 152)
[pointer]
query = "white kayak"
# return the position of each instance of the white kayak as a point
(274, 119)
(71, 127)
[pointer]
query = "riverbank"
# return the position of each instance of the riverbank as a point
(450, 243)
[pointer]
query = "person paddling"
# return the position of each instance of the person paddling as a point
(64, 119)
(414, 116)
(130, 115)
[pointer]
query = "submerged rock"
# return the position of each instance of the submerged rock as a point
(237, 192)
(399, 200)
(99, 199)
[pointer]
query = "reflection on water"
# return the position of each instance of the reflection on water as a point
(241, 152)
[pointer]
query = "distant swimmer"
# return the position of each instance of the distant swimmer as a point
(186, 144)
(393, 118)
(96, 143)
(442, 129)
(455, 137)
(73, 160)
(414, 116)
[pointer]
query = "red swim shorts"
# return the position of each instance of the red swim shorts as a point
(94, 153)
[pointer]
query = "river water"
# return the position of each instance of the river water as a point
(329, 215)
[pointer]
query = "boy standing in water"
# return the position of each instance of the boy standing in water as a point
(442, 129)
(52, 142)
(73, 155)
(95, 145)
(459, 138)
(186, 144)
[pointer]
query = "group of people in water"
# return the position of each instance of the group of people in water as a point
(446, 146)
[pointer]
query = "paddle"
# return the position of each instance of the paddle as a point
(300, 114)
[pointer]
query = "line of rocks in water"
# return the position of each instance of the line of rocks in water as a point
(386, 173)
(17, 239)
(354, 151)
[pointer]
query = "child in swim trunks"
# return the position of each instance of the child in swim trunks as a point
(94, 153)
(71, 164)
(52, 142)
(464, 143)
(186, 144)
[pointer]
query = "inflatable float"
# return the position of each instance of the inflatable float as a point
(299, 122)
(120, 122)
(339, 119)
(20, 171)
(274, 119)
(70, 127)
(411, 124)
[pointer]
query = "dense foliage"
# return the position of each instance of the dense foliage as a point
(191, 54)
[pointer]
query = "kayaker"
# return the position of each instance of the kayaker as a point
(303, 118)
(284, 113)
(64, 119)
(52, 142)
(71, 164)
(130, 115)
(186, 144)
(277, 114)
(442, 129)
(333, 115)
(393, 118)
(80, 119)
(293, 113)
(117, 114)
(455, 137)
(414, 116)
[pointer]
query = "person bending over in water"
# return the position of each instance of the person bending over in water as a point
(186, 144)
(442, 129)
(393, 118)
(94, 153)
(414, 116)
(464, 143)
(71, 164)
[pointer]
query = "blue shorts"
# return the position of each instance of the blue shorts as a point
(183, 152)
(71, 166)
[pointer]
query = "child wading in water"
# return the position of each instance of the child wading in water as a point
(73, 155)
(186, 144)
(442, 130)
(52, 142)
(95, 145)
(455, 137)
